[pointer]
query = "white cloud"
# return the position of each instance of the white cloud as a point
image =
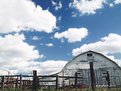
(16, 15)
(117, 1)
(16, 56)
(88, 6)
(109, 44)
(91, 6)
(49, 45)
(111, 5)
(13, 50)
(72, 34)
(57, 5)
(36, 38)
(49, 66)
(13, 47)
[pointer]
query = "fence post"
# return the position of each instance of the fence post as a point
(76, 79)
(92, 74)
(35, 82)
(2, 82)
(108, 79)
(56, 82)
(20, 82)
(16, 84)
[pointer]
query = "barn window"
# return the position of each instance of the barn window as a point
(89, 54)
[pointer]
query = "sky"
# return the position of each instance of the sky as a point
(44, 35)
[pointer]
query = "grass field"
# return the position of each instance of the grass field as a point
(66, 89)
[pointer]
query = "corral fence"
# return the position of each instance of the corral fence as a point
(50, 83)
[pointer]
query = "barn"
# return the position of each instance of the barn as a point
(91, 69)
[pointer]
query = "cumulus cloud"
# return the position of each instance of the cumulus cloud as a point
(88, 6)
(109, 44)
(17, 15)
(49, 45)
(49, 66)
(91, 6)
(18, 57)
(72, 34)
(13, 50)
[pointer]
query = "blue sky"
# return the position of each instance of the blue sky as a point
(106, 20)
(39, 34)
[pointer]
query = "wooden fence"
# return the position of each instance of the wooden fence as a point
(46, 82)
